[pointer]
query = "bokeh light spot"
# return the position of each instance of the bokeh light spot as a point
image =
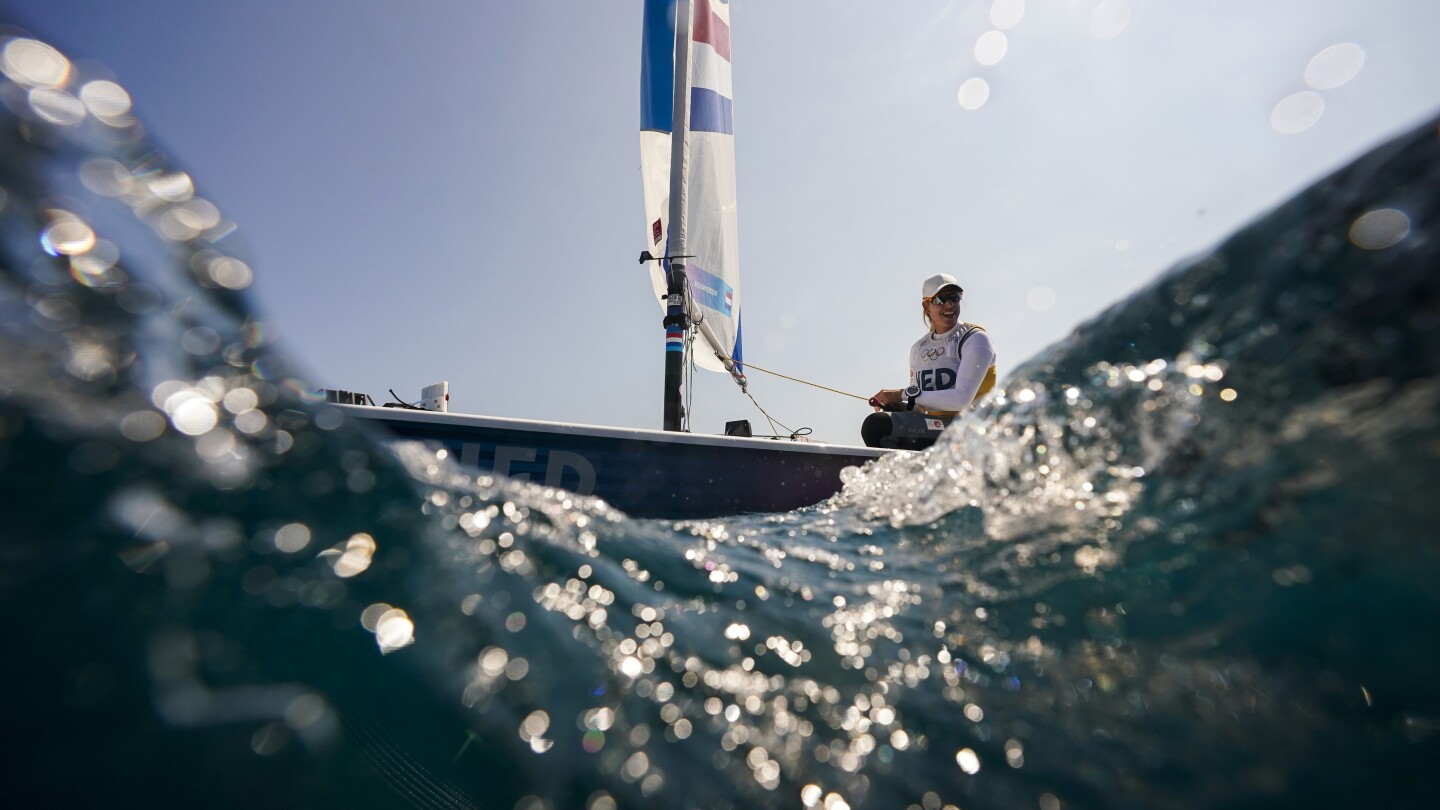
(1334, 66)
(93, 267)
(192, 415)
(1379, 229)
(107, 100)
(593, 741)
(68, 236)
(355, 557)
(106, 176)
(974, 93)
(1040, 299)
(142, 426)
(292, 537)
(34, 64)
(1297, 112)
(57, 106)
(232, 274)
(1109, 19)
(394, 630)
(175, 187)
(991, 47)
(1006, 14)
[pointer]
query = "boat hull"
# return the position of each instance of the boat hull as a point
(644, 473)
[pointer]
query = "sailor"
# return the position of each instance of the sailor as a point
(952, 365)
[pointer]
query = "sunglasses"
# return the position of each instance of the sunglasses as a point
(946, 298)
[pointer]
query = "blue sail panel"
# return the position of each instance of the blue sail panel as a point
(657, 101)
(657, 67)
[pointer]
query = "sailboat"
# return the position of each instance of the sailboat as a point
(688, 163)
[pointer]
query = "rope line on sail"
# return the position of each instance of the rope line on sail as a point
(748, 364)
(772, 421)
(730, 363)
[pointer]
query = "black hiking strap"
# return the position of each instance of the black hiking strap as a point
(959, 347)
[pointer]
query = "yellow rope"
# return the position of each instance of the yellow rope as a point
(806, 382)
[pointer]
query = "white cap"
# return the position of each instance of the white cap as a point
(938, 282)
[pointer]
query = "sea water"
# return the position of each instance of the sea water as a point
(1188, 558)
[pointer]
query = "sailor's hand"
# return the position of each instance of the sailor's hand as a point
(886, 399)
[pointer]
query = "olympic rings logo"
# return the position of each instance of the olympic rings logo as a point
(932, 354)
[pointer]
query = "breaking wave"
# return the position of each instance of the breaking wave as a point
(1185, 559)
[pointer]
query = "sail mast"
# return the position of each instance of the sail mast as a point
(687, 160)
(677, 321)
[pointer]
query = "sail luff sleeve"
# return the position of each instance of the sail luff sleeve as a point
(680, 127)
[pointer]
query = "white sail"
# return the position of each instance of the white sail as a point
(692, 212)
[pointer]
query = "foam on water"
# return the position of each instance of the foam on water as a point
(1187, 557)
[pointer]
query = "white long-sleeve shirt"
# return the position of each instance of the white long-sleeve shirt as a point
(949, 368)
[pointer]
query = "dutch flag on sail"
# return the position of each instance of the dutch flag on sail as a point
(710, 92)
(691, 212)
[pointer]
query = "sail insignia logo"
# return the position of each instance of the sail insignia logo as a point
(655, 231)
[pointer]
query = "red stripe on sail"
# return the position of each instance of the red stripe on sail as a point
(711, 30)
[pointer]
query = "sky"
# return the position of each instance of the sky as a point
(451, 190)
